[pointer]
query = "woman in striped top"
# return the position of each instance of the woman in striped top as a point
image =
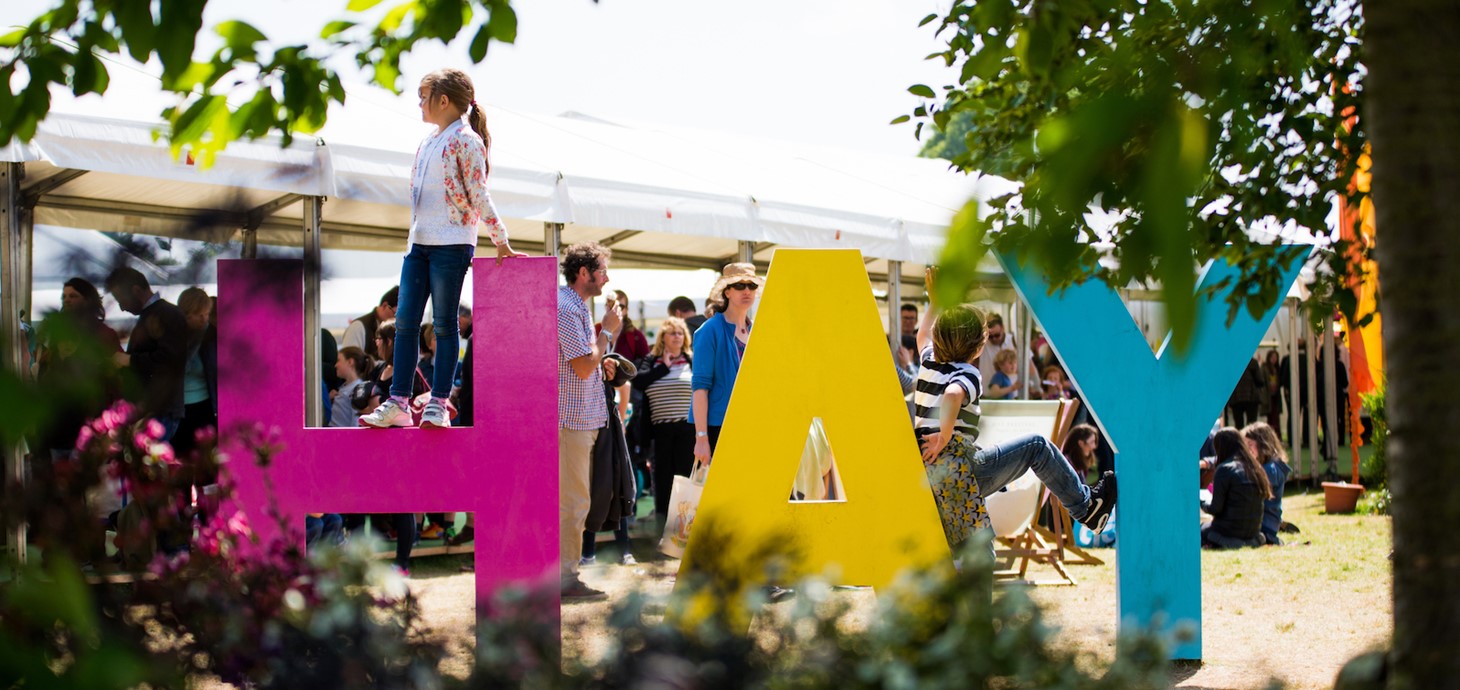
(664, 376)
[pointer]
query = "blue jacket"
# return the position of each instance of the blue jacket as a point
(717, 363)
(1272, 508)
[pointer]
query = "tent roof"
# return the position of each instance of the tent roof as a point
(660, 196)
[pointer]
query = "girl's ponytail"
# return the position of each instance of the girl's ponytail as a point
(457, 87)
(477, 118)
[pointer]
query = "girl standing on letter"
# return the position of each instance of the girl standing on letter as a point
(449, 206)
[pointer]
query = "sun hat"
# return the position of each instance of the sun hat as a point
(732, 274)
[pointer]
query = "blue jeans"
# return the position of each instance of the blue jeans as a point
(996, 467)
(436, 272)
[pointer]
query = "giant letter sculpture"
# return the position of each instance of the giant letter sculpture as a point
(504, 468)
(818, 351)
(1156, 410)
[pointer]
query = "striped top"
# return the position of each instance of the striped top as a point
(670, 396)
(934, 377)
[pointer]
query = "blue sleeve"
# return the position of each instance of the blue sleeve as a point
(906, 379)
(703, 372)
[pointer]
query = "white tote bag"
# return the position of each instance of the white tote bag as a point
(684, 499)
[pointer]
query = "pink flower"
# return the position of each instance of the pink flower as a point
(238, 525)
(141, 441)
(84, 437)
(111, 420)
(154, 429)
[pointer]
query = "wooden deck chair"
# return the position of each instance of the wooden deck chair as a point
(1061, 533)
(1013, 511)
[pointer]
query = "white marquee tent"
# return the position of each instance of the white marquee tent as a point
(660, 197)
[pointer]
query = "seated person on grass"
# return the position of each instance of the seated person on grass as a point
(1238, 492)
(1265, 446)
(961, 474)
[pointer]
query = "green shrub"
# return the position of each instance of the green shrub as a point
(933, 628)
(1375, 502)
(1375, 471)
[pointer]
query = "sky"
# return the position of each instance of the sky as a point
(811, 71)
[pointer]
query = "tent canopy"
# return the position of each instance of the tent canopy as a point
(659, 196)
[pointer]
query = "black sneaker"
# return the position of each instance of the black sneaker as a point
(576, 590)
(1102, 501)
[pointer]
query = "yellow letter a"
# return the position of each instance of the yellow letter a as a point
(817, 350)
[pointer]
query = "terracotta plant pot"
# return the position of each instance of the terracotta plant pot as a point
(1341, 497)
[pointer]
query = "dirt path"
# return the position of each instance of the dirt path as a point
(1295, 613)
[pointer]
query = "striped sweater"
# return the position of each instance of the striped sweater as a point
(934, 378)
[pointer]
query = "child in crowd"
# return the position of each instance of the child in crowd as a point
(449, 204)
(947, 415)
(351, 365)
(1006, 376)
(1263, 441)
(1056, 386)
(1238, 492)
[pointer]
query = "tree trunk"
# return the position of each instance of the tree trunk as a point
(1413, 111)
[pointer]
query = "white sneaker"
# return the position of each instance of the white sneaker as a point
(389, 414)
(435, 416)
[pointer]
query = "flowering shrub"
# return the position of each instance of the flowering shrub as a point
(262, 615)
(270, 615)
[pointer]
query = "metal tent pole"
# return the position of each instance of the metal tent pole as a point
(894, 306)
(250, 248)
(313, 270)
(11, 338)
(1025, 319)
(746, 252)
(26, 218)
(1295, 424)
(552, 239)
(1330, 398)
(1311, 393)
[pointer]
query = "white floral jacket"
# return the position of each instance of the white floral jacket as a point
(464, 162)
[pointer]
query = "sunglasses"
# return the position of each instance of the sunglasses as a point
(741, 286)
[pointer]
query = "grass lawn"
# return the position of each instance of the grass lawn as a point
(1295, 612)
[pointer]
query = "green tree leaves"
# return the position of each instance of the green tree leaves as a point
(1182, 129)
(267, 88)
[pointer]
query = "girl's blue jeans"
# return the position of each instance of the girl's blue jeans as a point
(437, 272)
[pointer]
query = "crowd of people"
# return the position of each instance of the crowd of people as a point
(1264, 389)
(632, 415)
(667, 400)
(169, 368)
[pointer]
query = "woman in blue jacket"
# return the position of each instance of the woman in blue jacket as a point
(719, 346)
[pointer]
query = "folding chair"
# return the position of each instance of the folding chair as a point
(1014, 510)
